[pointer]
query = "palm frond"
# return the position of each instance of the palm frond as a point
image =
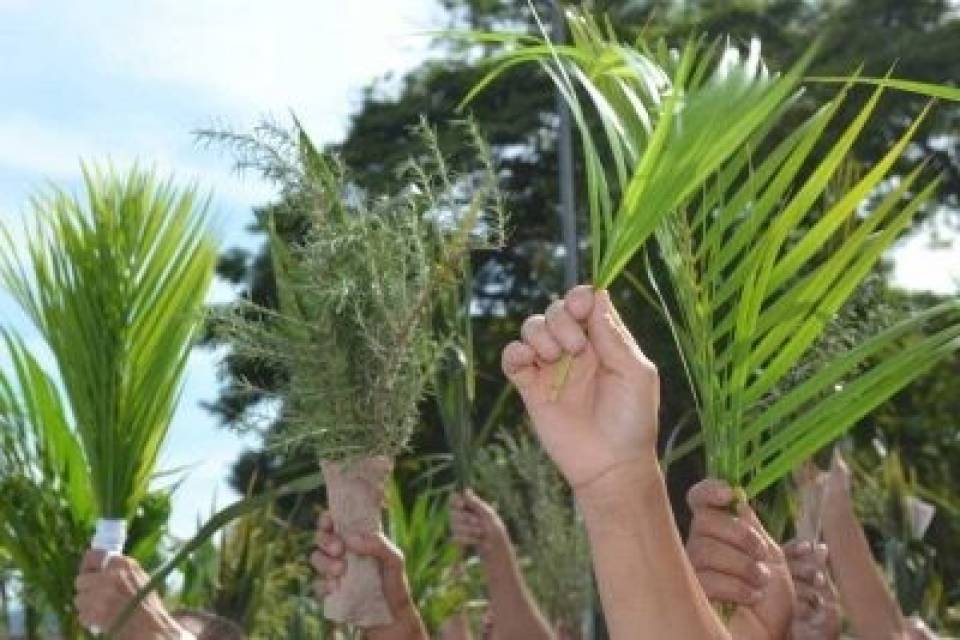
(759, 251)
(115, 285)
(670, 120)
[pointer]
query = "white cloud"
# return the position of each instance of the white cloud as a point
(250, 56)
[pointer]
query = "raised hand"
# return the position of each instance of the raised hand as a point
(475, 523)
(737, 562)
(601, 413)
(816, 611)
(329, 560)
(104, 592)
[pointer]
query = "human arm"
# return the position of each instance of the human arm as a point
(329, 560)
(456, 627)
(869, 604)
(600, 427)
(102, 593)
(515, 613)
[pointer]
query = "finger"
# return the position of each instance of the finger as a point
(615, 346)
(457, 501)
(809, 596)
(720, 587)
(518, 362)
(564, 328)
(720, 526)
(332, 545)
(535, 333)
(91, 609)
(92, 560)
(466, 517)
(483, 509)
(708, 554)
(821, 553)
(798, 549)
(466, 539)
(464, 530)
(710, 493)
(325, 523)
(375, 546)
(116, 564)
(579, 302)
(809, 573)
(747, 515)
(327, 566)
(89, 581)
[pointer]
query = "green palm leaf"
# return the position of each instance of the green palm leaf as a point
(115, 285)
(46, 500)
(659, 111)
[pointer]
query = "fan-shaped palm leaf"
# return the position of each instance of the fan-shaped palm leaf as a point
(115, 285)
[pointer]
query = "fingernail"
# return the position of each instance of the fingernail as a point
(756, 596)
(803, 547)
(819, 579)
(762, 571)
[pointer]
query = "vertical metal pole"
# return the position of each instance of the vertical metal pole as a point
(571, 245)
(567, 209)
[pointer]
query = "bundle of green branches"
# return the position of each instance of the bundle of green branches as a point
(534, 502)
(114, 283)
(360, 327)
(746, 229)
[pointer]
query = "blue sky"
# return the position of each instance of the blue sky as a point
(128, 81)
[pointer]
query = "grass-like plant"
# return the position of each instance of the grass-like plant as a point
(759, 255)
(115, 282)
(361, 325)
(422, 533)
(516, 475)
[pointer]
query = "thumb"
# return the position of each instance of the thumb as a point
(388, 556)
(615, 347)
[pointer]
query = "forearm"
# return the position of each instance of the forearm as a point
(456, 628)
(647, 585)
(407, 625)
(871, 607)
(515, 613)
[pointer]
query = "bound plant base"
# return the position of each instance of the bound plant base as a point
(355, 492)
(110, 537)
